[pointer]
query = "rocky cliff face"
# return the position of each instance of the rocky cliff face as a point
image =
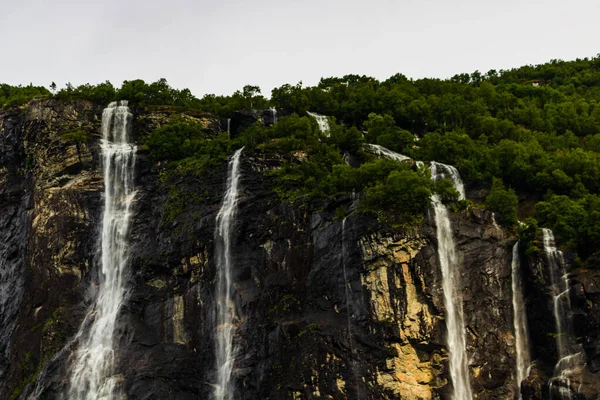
(329, 308)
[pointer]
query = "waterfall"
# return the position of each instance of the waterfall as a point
(519, 320)
(93, 376)
(494, 223)
(385, 152)
(350, 312)
(455, 325)
(229, 126)
(226, 314)
(321, 122)
(439, 171)
(567, 358)
(274, 111)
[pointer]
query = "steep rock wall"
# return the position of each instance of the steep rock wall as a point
(327, 309)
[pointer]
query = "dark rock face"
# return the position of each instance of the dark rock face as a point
(13, 229)
(327, 308)
(486, 277)
(241, 120)
(57, 233)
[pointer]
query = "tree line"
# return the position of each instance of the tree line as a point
(531, 132)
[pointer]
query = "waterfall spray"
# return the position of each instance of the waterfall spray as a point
(455, 324)
(93, 376)
(226, 314)
(519, 320)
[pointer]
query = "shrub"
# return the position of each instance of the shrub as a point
(504, 202)
(403, 197)
(175, 141)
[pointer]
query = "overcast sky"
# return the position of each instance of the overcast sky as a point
(220, 46)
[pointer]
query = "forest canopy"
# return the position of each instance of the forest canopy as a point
(524, 135)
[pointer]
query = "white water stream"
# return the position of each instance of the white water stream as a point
(568, 357)
(449, 263)
(321, 122)
(519, 320)
(439, 171)
(274, 111)
(385, 152)
(93, 375)
(226, 315)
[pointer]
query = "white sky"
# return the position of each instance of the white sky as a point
(213, 46)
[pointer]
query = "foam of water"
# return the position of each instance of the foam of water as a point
(439, 171)
(568, 357)
(454, 308)
(455, 325)
(387, 153)
(93, 366)
(226, 315)
(321, 122)
(519, 320)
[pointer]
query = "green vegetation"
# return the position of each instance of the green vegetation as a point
(574, 220)
(11, 96)
(190, 155)
(177, 140)
(159, 93)
(403, 193)
(532, 131)
(313, 166)
(382, 130)
(504, 202)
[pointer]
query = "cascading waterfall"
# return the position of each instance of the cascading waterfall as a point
(93, 376)
(455, 324)
(350, 311)
(274, 111)
(568, 358)
(439, 171)
(385, 152)
(321, 122)
(229, 126)
(519, 320)
(226, 314)
(494, 223)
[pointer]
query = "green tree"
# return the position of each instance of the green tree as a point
(249, 92)
(404, 195)
(175, 141)
(504, 202)
(382, 130)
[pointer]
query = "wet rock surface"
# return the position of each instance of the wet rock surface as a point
(326, 308)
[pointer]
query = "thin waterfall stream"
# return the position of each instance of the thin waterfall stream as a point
(93, 375)
(519, 320)
(385, 152)
(226, 314)
(322, 122)
(568, 357)
(459, 373)
(274, 112)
